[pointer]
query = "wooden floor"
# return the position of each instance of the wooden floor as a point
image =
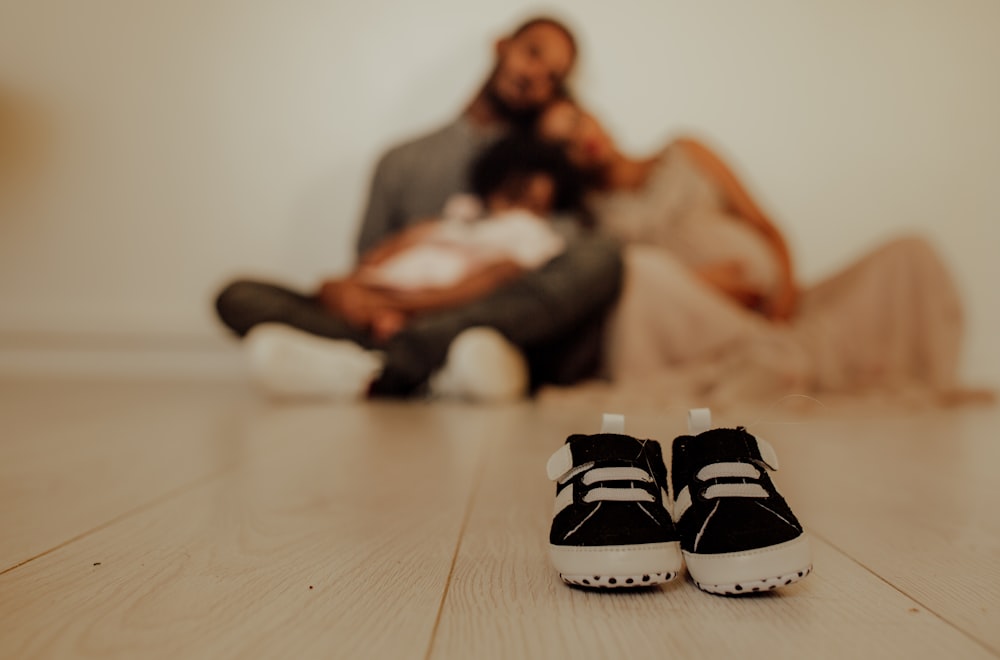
(170, 520)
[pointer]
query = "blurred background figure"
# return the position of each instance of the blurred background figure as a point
(213, 142)
(485, 240)
(710, 291)
(552, 310)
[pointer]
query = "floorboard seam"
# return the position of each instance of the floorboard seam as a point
(122, 516)
(911, 597)
(474, 493)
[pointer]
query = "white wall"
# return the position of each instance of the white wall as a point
(151, 150)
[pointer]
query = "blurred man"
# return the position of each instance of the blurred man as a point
(553, 314)
(414, 180)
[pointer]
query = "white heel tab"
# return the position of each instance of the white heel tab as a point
(699, 420)
(613, 423)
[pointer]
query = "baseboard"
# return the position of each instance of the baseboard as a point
(110, 357)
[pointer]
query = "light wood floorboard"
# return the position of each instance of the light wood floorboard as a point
(191, 520)
(915, 498)
(77, 454)
(504, 601)
(333, 537)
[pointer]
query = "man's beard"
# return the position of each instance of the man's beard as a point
(521, 118)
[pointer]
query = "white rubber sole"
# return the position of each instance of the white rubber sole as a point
(761, 569)
(617, 566)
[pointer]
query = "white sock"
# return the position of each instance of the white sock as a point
(287, 362)
(482, 366)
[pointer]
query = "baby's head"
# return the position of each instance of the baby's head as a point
(587, 144)
(520, 172)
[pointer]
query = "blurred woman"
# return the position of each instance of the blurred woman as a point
(711, 306)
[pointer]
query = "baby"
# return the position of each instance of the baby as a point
(479, 243)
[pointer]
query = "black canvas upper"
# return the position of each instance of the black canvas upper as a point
(607, 522)
(713, 525)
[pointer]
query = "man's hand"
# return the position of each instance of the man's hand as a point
(386, 311)
(473, 287)
(349, 300)
(388, 322)
(363, 306)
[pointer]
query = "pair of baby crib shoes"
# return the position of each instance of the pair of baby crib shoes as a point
(623, 520)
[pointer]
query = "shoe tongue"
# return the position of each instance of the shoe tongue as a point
(612, 423)
(724, 445)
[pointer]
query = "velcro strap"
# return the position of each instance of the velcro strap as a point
(561, 462)
(582, 449)
(729, 445)
(738, 470)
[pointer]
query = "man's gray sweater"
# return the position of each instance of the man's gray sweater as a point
(413, 181)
